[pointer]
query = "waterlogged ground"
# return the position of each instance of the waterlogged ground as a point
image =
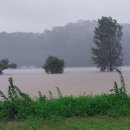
(74, 81)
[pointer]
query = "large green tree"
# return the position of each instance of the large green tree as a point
(4, 64)
(107, 52)
(54, 65)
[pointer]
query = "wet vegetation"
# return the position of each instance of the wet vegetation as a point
(54, 65)
(18, 105)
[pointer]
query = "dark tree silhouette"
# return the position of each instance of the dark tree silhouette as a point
(54, 65)
(4, 64)
(107, 54)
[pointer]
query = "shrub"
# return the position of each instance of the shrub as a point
(4, 64)
(54, 65)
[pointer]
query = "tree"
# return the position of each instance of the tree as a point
(54, 65)
(4, 64)
(107, 53)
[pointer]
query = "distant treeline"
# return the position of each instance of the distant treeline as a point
(71, 42)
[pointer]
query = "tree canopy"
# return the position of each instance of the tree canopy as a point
(4, 64)
(54, 65)
(107, 53)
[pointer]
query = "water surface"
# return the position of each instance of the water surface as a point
(74, 81)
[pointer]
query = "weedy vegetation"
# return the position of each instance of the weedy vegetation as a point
(18, 105)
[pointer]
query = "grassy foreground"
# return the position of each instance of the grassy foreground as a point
(86, 123)
(18, 105)
(64, 107)
(18, 111)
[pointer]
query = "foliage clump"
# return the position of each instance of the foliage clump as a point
(4, 64)
(107, 53)
(54, 65)
(14, 93)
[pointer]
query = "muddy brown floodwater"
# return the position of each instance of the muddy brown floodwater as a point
(74, 81)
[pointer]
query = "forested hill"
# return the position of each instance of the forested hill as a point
(71, 42)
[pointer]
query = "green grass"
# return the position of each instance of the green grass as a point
(18, 111)
(85, 123)
(18, 105)
(65, 107)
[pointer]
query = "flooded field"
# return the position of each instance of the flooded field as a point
(74, 81)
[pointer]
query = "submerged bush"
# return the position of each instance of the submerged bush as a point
(54, 65)
(4, 64)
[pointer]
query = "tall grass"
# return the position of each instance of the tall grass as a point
(120, 91)
(18, 105)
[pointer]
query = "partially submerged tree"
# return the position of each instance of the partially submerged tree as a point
(107, 54)
(4, 64)
(54, 65)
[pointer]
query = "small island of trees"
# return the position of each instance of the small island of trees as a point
(54, 65)
(5, 64)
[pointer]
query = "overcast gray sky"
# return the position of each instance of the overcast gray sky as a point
(38, 15)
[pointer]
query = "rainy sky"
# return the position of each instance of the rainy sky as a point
(38, 15)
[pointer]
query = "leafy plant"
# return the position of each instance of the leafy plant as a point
(50, 94)
(120, 91)
(59, 92)
(3, 96)
(14, 93)
(41, 97)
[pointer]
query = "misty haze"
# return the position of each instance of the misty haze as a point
(63, 59)
(72, 43)
(30, 37)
